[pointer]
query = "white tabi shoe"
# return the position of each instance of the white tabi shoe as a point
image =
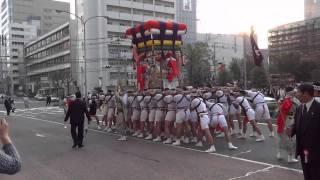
(211, 149)
(177, 143)
(194, 140)
(122, 138)
(186, 140)
(135, 134)
(260, 138)
(105, 129)
(98, 127)
(148, 137)
(167, 141)
(157, 139)
(140, 135)
(242, 136)
(231, 146)
(291, 159)
(199, 144)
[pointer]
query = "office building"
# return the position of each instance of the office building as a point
(225, 47)
(49, 60)
(187, 13)
(21, 21)
(301, 38)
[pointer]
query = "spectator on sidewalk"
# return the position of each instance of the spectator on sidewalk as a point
(10, 162)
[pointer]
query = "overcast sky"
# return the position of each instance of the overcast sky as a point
(234, 16)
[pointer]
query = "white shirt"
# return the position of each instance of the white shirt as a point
(170, 102)
(308, 104)
(216, 108)
(182, 103)
(245, 104)
(159, 100)
(258, 97)
(201, 108)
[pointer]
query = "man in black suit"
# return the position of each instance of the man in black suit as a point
(307, 130)
(76, 112)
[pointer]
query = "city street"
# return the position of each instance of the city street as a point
(45, 148)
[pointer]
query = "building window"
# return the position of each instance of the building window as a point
(17, 29)
(17, 36)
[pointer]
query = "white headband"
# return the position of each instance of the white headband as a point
(316, 88)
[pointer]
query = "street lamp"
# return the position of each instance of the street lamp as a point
(83, 22)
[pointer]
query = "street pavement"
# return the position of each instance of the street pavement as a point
(45, 148)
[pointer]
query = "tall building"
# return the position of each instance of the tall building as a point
(108, 55)
(17, 17)
(301, 37)
(49, 60)
(187, 13)
(311, 9)
(225, 47)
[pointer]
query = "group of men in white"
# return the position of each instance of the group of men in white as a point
(186, 115)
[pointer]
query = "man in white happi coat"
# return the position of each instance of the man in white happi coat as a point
(144, 113)
(199, 106)
(136, 111)
(182, 116)
(216, 113)
(111, 103)
(152, 107)
(250, 115)
(170, 115)
(261, 109)
(160, 114)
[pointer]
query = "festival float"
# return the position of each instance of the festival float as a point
(157, 53)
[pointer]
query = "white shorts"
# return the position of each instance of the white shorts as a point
(262, 112)
(194, 117)
(204, 122)
(159, 115)
(135, 115)
(110, 113)
(152, 115)
(144, 115)
(182, 115)
(251, 114)
(218, 119)
(170, 116)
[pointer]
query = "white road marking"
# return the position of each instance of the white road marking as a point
(40, 135)
(240, 153)
(179, 147)
(254, 172)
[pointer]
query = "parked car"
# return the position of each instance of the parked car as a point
(54, 99)
(39, 97)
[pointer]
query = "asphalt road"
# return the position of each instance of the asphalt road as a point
(45, 148)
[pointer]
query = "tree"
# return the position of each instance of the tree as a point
(235, 71)
(198, 67)
(224, 77)
(291, 63)
(258, 77)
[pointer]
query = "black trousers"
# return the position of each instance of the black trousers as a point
(8, 111)
(77, 133)
(310, 171)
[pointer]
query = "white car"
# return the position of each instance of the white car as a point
(39, 97)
